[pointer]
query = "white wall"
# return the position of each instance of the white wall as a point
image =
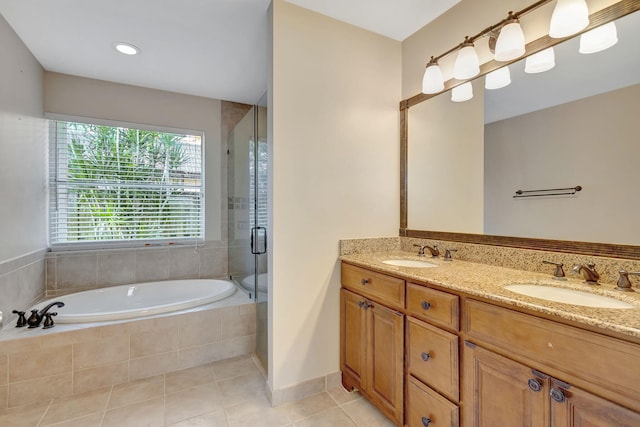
(592, 142)
(334, 93)
(78, 96)
(23, 149)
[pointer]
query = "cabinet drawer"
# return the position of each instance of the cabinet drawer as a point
(440, 308)
(425, 407)
(379, 287)
(433, 357)
(596, 359)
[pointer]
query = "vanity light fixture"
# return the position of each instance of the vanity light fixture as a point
(126, 48)
(467, 63)
(462, 93)
(540, 62)
(599, 38)
(510, 44)
(432, 81)
(498, 79)
(569, 17)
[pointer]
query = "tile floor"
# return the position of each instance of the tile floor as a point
(228, 393)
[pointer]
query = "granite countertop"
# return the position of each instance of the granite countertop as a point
(488, 282)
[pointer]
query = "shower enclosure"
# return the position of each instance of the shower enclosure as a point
(247, 160)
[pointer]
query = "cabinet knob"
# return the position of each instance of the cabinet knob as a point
(426, 421)
(361, 304)
(557, 395)
(425, 356)
(534, 385)
(425, 305)
(364, 281)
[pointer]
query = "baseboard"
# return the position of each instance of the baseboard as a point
(302, 390)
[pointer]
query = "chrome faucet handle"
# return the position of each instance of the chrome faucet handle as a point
(447, 254)
(559, 273)
(624, 284)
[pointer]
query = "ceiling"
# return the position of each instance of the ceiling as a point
(211, 48)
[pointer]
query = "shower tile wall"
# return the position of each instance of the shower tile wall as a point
(75, 271)
(21, 283)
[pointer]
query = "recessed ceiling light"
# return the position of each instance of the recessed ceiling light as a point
(126, 48)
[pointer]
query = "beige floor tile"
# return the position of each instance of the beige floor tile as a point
(243, 388)
(193, 402)
(234, 367)
(213, 419)
(365, 414)
(22, 416)
(67, 408)
(93, 420)
(305, 408)
(187, 378)
(256, 413)
(334, 417)
(143, 414)
(342, 396)
(136, 391)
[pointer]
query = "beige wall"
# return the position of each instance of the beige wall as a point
(335, 91)
(78, 96)
(592, 142)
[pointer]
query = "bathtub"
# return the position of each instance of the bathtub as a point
(249, 282)
(138, 300)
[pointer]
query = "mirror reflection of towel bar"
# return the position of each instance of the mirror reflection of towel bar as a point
(569, 191)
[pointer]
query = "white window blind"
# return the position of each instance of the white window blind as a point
(113, 183)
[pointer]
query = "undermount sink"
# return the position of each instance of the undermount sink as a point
(567, 296)
(409, 263)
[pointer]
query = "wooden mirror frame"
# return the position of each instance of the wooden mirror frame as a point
(608, 14)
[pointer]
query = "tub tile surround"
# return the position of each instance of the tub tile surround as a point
(21, 283)
(36, 365)
(74, 271)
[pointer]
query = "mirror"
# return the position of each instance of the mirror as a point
(572, 125)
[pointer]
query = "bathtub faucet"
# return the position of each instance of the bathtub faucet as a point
(36, 316)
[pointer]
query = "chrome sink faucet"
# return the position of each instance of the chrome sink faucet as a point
(588, 272)
(435, 253)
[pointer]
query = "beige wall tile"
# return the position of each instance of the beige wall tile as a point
(213, 262)
(199, 355)
(70, 407)
(4, 394)
(102, 376)
(29, 365)
(117, 329)
(235, 324)
(149, 413)
(40, 389)
(136, 391)
(101, 352)
(184, 263)
(148, 366)
(116, 268)
(71, 337)
(76, 270)
(20, 345)
(151, 265)
(4, 369)
(50, 273)
(154, 342)
(201, 328)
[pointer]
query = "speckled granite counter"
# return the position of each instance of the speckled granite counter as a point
(488, 282)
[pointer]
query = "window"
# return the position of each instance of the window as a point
(118, 184)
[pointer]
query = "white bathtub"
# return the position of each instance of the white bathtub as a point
(138, 300)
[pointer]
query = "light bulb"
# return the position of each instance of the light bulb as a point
(569, 17)
(126, 48)
(498, 79)
(599, 39)
(462, 93)
(432, 81)
(467, 63)
(510, 43)
(540, 62)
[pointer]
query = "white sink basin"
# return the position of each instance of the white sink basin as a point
(567, 296)
(409, 263)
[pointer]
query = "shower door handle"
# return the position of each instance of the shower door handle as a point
(256, 233)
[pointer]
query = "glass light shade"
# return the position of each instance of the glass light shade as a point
(568, 18)
(462, 93)
(540, 62)
(126, 48)
(467, 63)
(510, 43)
(599, 39)
(432, 81)
(498, 79)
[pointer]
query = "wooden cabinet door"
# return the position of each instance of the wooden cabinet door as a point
(574, 407)
(497, 392)
(353, 340)
(386, 347)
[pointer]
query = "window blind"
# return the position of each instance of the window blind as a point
(112, 183)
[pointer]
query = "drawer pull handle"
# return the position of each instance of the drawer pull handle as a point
(364, 281)
(361, 304)
(534, 385)
(557, 395)
(425, 305)
(426, 421)
(425, 356)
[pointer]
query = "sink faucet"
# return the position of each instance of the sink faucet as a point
(434, 250)
(624, 284)
(588, 272)
(36, 316)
